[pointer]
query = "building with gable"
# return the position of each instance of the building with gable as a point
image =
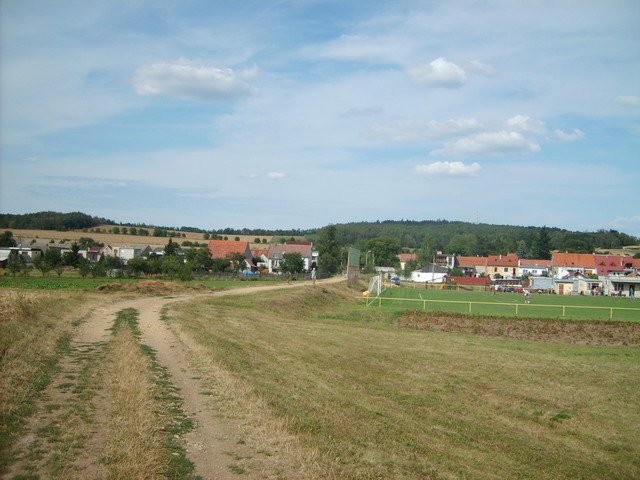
(277, 252)
(505, 266)
(226, 248)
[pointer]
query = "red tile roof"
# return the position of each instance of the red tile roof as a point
(258, 252)
(614, 263)
(510, 260)
(406, 257)
(576, 260)
(471, 261)
(224, 248)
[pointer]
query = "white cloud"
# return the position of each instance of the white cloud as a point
(526, 124)
(275, 175)
(489, 142)
(189, 80)
(448, 169)
(408, 130)
(628, 100)
(481, 68)
(439, 73)
(385, 48)
(577, 134)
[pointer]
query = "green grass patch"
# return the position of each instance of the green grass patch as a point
(382, 402)
(508, 304)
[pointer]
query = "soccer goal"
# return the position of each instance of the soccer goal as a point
(375, 286)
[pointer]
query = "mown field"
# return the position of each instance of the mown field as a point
(504, 304)
(363, 392)
(379, 401)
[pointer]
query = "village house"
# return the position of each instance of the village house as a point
(565, 263)
(226, 248)
(626, 286)
(533, 267)
(261, 257)
(126, 253)
(405, 258)
(27, 253)
(502, 266)
(276, 254)
(471, 266)
(577, 283)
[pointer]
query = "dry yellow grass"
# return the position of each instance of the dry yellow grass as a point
(118, 240)
(34, 333)
(135, 440)
(31, 323)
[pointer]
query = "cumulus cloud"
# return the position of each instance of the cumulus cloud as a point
(577, 134)
(439, 73)
(526, 124)
(186, 79)
(409, 130)
(448, 169)
(275, 175)
(628, 100)
(489, 142)
(481, 68)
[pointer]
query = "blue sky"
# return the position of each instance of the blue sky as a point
(298, 114)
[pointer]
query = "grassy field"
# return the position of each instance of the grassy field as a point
(486, 303)
(342, 386)
(72, 281)
(378, 401)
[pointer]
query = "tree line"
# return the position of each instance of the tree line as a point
(450, 237)
(51, 221)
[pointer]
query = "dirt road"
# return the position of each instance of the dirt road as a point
(211, 445)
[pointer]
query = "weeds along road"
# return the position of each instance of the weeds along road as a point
(95, 422)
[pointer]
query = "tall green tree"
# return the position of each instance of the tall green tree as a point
(16, 263)
(292, 263)
(385, 250)
(427, 251)
(7, 240)
(171, 248)
(41, 264)
(328, 251)
(72, 257)
(541, 247)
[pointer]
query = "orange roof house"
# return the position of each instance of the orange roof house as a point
(504, 265)
(224, 248)
(563, 263)
(405, 258)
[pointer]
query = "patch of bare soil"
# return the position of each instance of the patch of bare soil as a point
(151, 287)
(548, 330)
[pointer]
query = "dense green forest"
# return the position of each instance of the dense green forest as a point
(465, 238)
(51, 221)
(449, 237)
